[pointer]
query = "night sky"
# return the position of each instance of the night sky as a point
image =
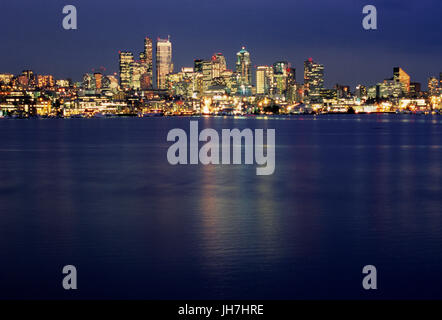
(409, 35)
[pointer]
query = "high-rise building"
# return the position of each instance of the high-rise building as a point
(126, 61)
(218, 65)
(243, 67)
(146, 59)
(433, 86)
(206, 66)
(280, 74)
(264, 76)
(313, 79)
(164, 61)
(399, 75)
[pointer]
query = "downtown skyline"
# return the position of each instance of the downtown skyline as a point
(351, 54)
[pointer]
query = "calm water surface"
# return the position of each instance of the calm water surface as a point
(99, 194)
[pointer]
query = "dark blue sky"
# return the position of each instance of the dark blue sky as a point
(409, 35)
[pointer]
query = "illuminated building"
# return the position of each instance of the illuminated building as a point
(146, 59)
(98, 79)
(292, 87)
(45, 81)
(206, 66)
(360, 91)
(126, 60)
(62, 83)
(89, 82)
(264, 76)
(6, 78)
(164, 61)
(218, 65)
(243, 67)
(313, 79)
(399, 75)
(280, 77)
(433, 86)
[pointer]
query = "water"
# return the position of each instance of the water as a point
(99, 194)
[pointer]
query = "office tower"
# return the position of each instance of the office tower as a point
(138, 70)
(164, 61)
(206, 67)
(399, 75)
(126, 60)
(313, 79)
(263, 79)
(433, 86)
(280, 76)
(146, 60)
(218, 65)
(291, 86)
(243, 67)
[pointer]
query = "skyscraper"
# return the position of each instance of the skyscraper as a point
(147, 62)
(433, 86)
(218, 65)
(263, 79)
(164, 61)
(313, 79)
(243, 67)
(126, 60)
(280, 76)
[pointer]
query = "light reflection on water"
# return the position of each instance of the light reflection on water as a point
(347, 191)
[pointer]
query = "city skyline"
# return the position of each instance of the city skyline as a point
(351, 54)
(148, 68)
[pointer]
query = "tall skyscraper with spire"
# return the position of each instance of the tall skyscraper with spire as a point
(164, 61)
